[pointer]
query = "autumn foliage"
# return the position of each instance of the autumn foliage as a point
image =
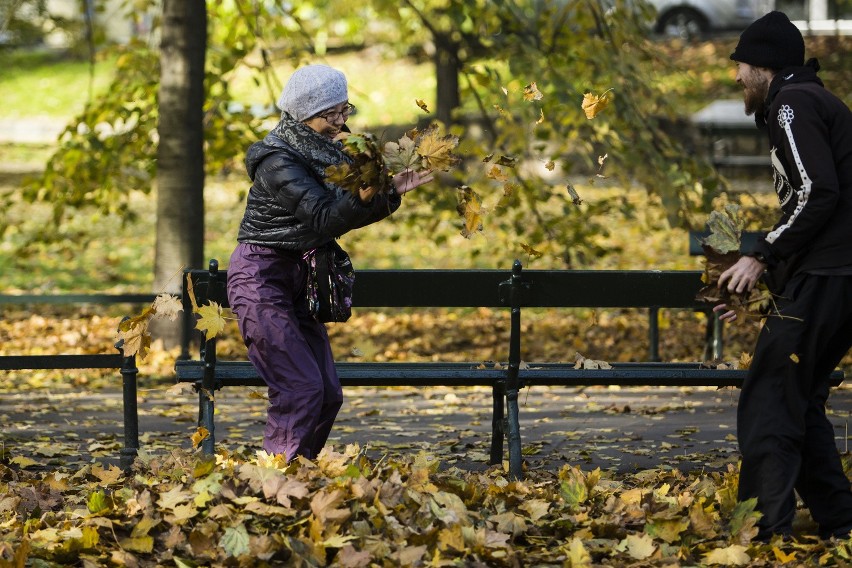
(346, 510)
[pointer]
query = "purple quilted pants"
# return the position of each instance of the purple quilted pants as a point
(287, 346)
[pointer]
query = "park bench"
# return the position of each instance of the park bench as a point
(514, 290)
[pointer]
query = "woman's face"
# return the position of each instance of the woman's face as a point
(329, 122)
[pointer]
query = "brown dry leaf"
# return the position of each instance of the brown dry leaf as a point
(402, 155)
(745, 361)
(533, 253)
(470, 209)
(575, 197)
(581, 362)
(167, 306)
(135, 339)
(496, 173)
(190, 290)
(593, 104)
(531, 93)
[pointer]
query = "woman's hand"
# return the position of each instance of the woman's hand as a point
(409, 179)
(366, 194)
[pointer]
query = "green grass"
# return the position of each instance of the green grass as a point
(43, 83)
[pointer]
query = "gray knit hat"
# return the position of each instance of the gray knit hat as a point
(311, 90)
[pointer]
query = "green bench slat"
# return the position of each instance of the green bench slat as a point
(21, 362)
(242, 373)
(480, 288)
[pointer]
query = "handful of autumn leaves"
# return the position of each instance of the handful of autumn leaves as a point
(721, 251)
(371, 165)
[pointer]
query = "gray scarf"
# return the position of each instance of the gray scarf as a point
(318, 150)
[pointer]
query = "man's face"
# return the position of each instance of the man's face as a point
(755, 84)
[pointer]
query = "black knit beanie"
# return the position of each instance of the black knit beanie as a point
(772, 41)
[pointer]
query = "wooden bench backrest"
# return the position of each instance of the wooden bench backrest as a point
(491, 288)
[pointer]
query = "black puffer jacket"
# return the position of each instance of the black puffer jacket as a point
(290, 207)
(810, 132)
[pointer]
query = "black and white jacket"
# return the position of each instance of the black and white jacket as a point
(810, 134)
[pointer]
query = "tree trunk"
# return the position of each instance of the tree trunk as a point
(447, 76)
(180, 154)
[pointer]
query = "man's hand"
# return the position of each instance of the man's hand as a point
(743, 275)
(740, 278)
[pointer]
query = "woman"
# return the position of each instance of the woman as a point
(291, 209)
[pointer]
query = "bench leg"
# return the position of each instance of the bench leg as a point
(713, 337)
(205, 406)
(718, 338)
(498, 432)
(129, 374)
(514, 428)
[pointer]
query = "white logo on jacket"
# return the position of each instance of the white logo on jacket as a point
(779, 176)
(783, 187)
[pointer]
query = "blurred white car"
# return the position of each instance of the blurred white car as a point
(694, 18)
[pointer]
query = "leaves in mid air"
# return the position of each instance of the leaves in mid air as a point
(133, 334)
(531, 92)
(594, 104)
(471, 211)
(436, 150)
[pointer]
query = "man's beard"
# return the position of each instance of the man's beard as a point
(754, 95)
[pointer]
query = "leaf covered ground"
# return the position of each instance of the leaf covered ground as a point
(406, 502)
(345, 509)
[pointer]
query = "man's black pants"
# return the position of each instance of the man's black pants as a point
(785, 438)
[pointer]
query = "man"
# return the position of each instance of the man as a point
(786, 441)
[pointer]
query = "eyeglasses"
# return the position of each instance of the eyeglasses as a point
(332, 115)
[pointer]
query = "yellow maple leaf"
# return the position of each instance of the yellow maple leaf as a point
(470, 208)
(199, 436)
(436, 151)
(593, 104)
(781, 556)
(23, 461)
(422, 104)
(531, 92)
(211, 320)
